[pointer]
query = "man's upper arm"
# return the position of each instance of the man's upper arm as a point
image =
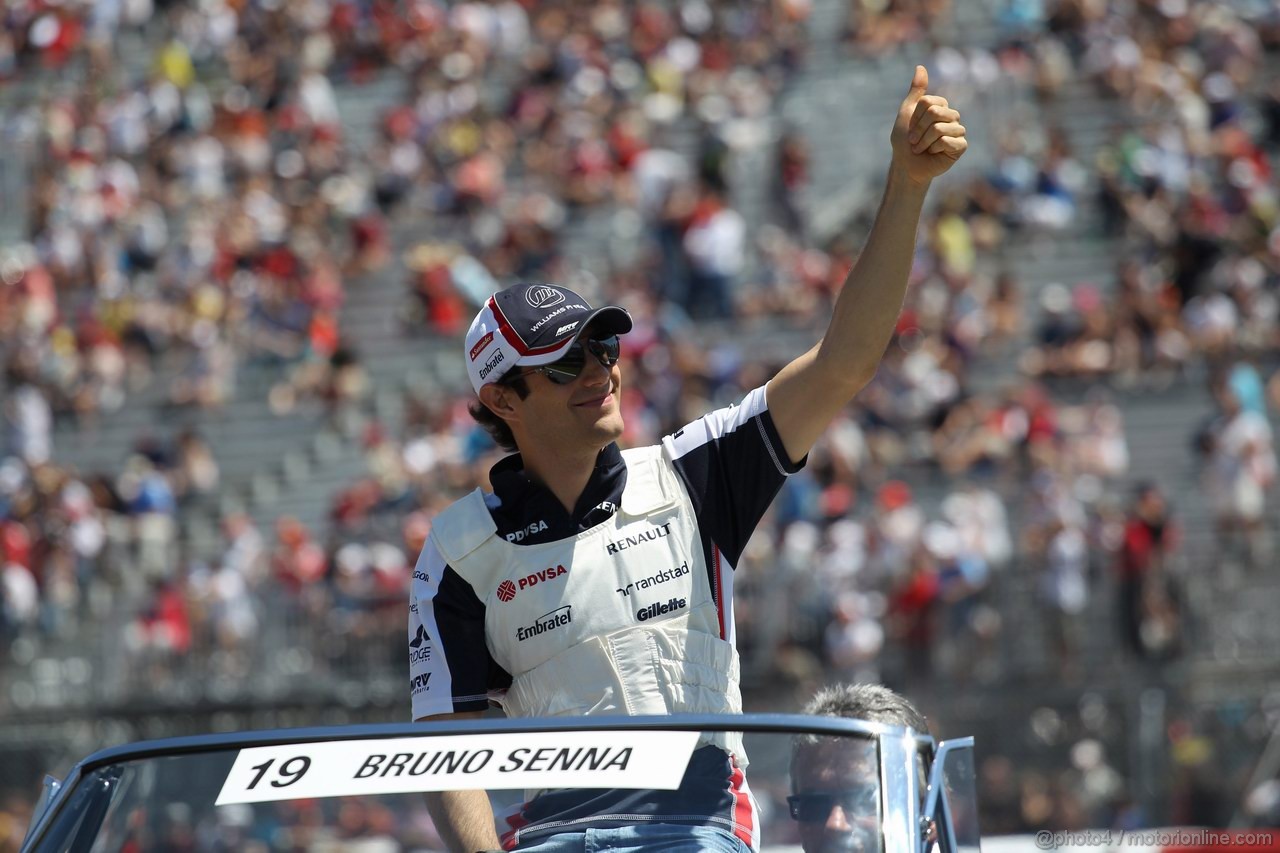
(450, 668)
(804, 398)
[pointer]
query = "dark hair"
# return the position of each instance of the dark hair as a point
(871, 702)
(494, 425)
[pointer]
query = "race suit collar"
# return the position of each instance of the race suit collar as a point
(528, 513)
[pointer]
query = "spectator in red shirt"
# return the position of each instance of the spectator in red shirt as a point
(1147, 613)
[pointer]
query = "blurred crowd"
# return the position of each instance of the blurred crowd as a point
(200, 210)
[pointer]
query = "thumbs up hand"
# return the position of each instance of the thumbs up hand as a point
(927, 137)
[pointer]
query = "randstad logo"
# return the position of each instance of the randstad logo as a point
(543, 297)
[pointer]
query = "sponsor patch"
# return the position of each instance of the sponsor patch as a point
(494, 360)
(535, 527)
(651, 535)
(420, 646)
(480, 345)
(569, 328)
(661, 608)
(546, 623)
(654, 580)
(506, 591)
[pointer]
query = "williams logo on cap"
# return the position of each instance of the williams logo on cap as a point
(543, 297)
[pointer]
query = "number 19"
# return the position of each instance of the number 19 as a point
(291, 771)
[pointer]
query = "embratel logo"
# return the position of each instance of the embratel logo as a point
(543, 297)
(661, 608)
(549, 621)
(493, 362)
(420, 646)
(480, 345)
(506, 591)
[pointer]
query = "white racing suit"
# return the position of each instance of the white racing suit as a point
(596, 624)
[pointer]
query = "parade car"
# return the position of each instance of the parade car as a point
(819, 783)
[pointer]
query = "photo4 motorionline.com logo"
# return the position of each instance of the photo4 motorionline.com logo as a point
(1108, 839)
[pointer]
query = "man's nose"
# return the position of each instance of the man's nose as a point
(838, 820)
(595, 373)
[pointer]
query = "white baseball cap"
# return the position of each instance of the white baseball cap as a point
(531, 325)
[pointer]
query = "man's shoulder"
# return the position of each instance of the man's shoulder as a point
(716, 424)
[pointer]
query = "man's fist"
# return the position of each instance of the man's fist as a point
(927, 137)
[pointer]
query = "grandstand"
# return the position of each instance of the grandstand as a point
(328, 391)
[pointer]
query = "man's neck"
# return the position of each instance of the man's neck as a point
(565, 474)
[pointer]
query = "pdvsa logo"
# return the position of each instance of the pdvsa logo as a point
(536, 527)
(543, 296)
(544, 575)
(508, 590)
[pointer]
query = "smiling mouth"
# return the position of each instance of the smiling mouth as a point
(596, 401)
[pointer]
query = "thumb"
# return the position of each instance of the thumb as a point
(919, 82)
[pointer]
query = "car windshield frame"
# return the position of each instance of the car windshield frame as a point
(901, 749)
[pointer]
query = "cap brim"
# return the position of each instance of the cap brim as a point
(610, 319)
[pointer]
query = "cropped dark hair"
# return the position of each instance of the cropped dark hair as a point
(871, 702)
(494, 425)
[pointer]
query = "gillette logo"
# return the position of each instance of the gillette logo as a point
(661, 608)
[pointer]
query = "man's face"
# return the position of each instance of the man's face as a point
(837, 795)
(586, 410)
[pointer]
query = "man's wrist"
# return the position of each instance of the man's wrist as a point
(900, 181)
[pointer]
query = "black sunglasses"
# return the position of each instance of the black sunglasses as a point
(569, 366)
(816, 808)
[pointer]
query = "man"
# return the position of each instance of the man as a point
(836, 781)
(597, 582)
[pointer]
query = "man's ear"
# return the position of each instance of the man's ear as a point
(499, 399)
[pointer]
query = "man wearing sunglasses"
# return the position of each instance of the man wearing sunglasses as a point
(836, 781)
(599, 581)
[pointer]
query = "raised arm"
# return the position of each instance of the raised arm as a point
(926, 140)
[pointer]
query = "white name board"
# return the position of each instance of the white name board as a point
(623, 759)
